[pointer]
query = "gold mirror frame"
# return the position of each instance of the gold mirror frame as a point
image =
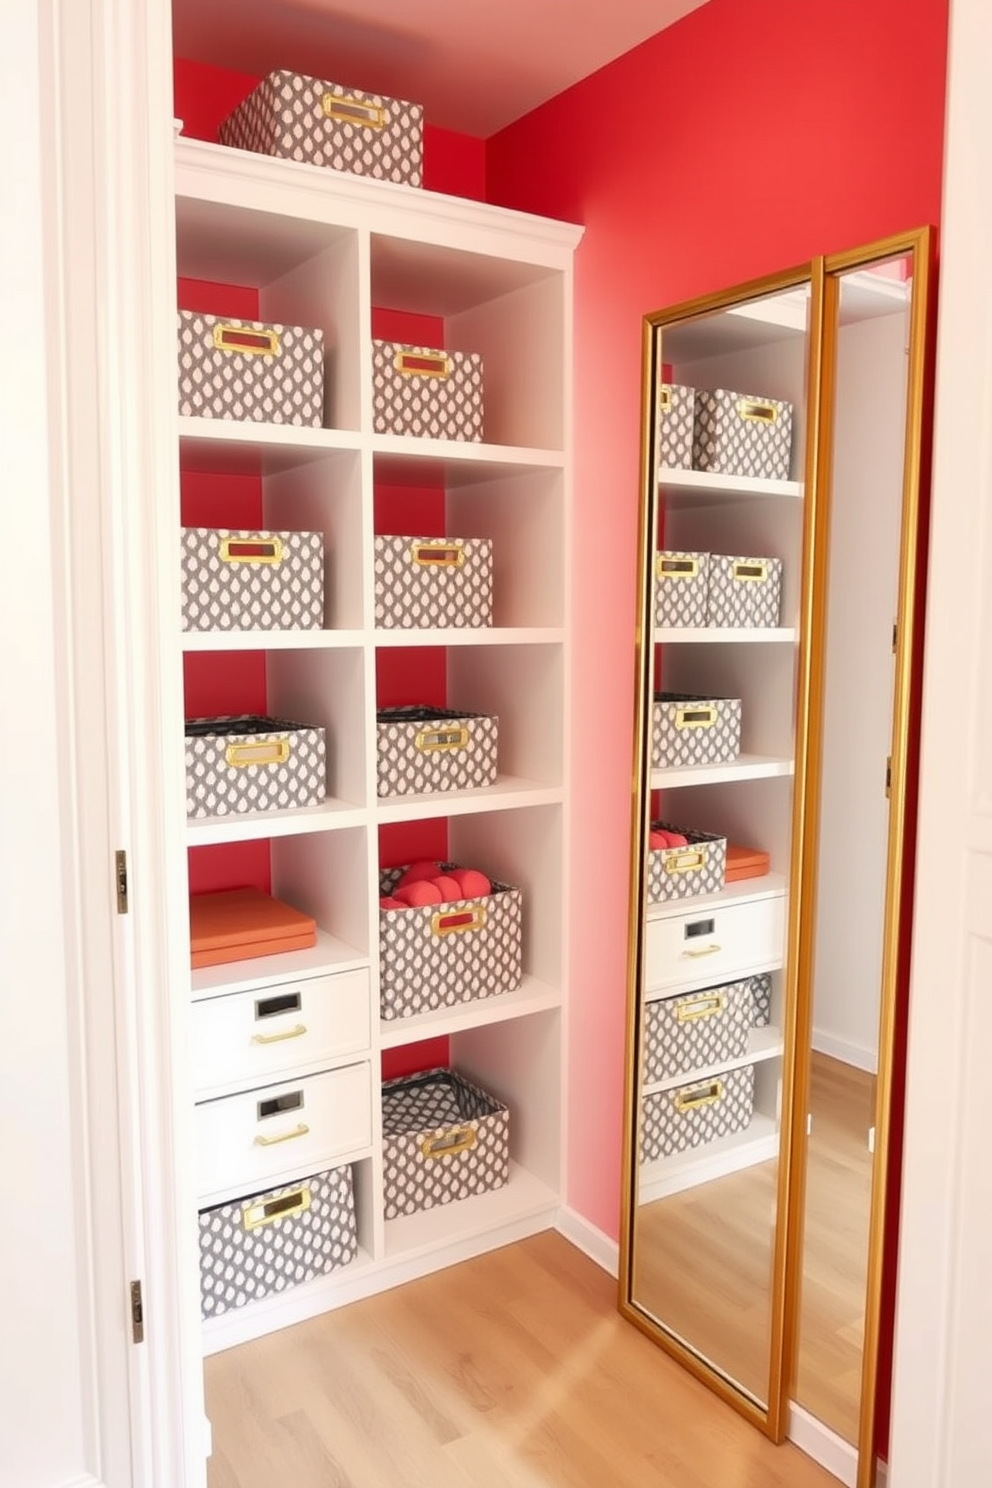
(822, 275)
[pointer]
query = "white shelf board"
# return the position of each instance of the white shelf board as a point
(768, 886)
(745, 767)
(763, 1043)
(245, 445)
(530, 997)
(503, 635)
(703, 483)
(509, 792)
(706, 635)
(246, 827)
(743, 327)
(402, 459)
(328, 955)
(270, 640)
(524, 1197)
(669, 1175)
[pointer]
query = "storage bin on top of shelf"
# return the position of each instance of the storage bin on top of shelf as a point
(694, 1031)
(296, 117)
(254, 370)
(423, 749)
(251, 580)
(244, 762)
(440, 955)
(724, 432)
(695, 590)
(697, 1113)
(443, 1139)
(265, 1242)
(434, 583)
(695, 866)
(426, 392)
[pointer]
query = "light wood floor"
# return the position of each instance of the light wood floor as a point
(510, 1371)
(703, 1257)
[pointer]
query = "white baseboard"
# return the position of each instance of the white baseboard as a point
(862, 1058)
(823, 1445)
(587, 1238)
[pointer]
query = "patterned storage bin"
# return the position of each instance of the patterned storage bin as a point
(262, 1244)
(697, 1031)
(676, 412)
(690, 730)
(248, 580)
(433, 582)
(761, 1000)
(442, 1139)
(419, 750)
(250, 369)
(303, 118)
(686, 872)
(744, 591)
(681, 589)
(697, 1113)
(429, 393)
(437, 955)
(244, 762)
(736, 434)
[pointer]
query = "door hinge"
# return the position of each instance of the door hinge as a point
(888, 777)
(895, 637)
(137, 1314)
(120, 880)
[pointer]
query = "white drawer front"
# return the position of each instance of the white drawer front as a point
(258, 1036)
(248, 1140)
(711, 944)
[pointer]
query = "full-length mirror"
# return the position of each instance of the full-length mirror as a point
(773, 791)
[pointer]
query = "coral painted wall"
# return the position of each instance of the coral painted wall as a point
(711, 154)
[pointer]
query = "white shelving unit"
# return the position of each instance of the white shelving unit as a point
(758, 348)
(323, 249)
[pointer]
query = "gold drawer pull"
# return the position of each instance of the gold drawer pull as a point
(300, 1131)
(246, 340)
(438, 555)
(278, 1038)
(684, 862)
(267, 1211)
(761, 413)
(706, 1007)
(453, 922)
(676, 568)
(664, 398)
(693, 1102)
(268, 752)
(251, 550)
(429, 740)
(353, 111)
(687, 718)
(422, 364)
(697, 955)
(449, 1143)
(753, 571)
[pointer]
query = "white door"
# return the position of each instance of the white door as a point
(942, 1425)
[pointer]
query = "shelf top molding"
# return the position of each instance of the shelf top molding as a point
(704, 483)
(240, 178)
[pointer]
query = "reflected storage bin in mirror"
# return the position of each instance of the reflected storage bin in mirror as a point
(433, 583)
(744, 592)
(252, 1247)
(439, 955)
(690, 730)
(697, 1031)
(681, 589)
(251, 370)
(250, 580)
(246, 762)
(676, 414)
(420, 750)
(685, 872)
(296, 117)
(443, 1139)
(739, 434)
(696, 1114)
(426, 392)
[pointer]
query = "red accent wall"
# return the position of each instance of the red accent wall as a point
(734, 144)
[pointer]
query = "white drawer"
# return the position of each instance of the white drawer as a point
(246, 1141)
(253, 1037)
(706, 945)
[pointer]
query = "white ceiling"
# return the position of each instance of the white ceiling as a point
(475, 65)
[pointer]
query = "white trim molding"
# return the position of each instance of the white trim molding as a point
(590, 1240)
(823, 1445)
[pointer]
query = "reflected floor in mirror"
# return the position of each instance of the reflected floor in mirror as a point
(702, 1261)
